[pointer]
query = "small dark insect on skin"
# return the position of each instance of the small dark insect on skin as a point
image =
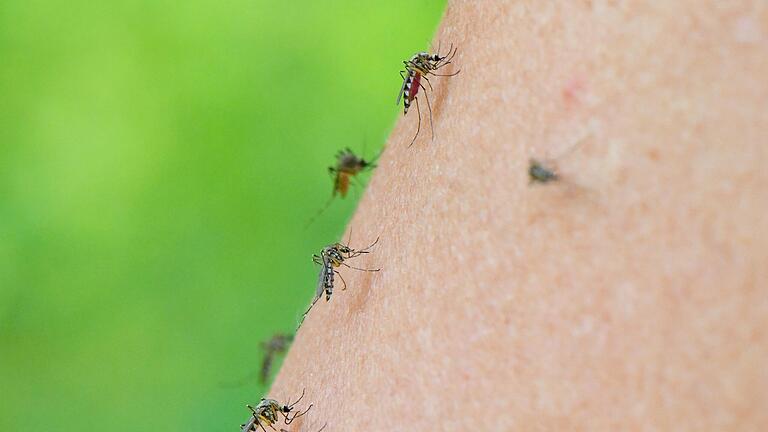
(348, 165)
(330, 258)
(275, 346)
(418, 68)
(268, 412)
(538, 172)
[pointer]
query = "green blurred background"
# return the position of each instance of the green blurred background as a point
(158, 161)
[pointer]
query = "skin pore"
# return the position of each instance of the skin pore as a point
(630, 294)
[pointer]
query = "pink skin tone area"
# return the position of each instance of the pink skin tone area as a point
(631, 294)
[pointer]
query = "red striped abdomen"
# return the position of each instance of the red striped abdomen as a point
(415, 85)
(411, 89)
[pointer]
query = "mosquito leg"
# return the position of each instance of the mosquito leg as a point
(342, 279)
(418, 125)
(358, 182)
(288, 420)
(370, 246)
(302, 412)
(431, 127)
(446, 75)
(303, 317)
(430, 84)
(360, 269)
(451, 53)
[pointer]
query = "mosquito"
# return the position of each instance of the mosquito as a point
(540, 172)
(275, 346)
(348, 165)
(419, 67)
(330, 258)
(267, 412)
(543, 171)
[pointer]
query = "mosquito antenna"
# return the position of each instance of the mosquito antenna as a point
(290, 406)
(371, 245)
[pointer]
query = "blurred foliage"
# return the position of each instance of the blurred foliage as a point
(158, 161)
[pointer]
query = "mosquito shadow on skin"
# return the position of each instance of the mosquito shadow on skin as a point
(442, 86)
(437, 85)
(561, 199)
(361, 292)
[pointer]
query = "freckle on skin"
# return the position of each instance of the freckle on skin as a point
(653, 155)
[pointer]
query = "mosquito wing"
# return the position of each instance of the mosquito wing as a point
(321, 281)
(250, 426)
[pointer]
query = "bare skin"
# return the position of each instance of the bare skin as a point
(630, 295)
